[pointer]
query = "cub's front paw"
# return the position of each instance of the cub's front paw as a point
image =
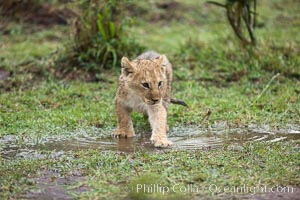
(162, 142)
(123, 133)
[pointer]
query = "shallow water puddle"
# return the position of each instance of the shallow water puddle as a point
(183, 138)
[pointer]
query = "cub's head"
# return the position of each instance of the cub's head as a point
(146, 78)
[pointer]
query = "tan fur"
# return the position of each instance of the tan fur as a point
(153, 101)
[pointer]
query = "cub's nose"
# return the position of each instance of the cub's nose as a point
(155, 101)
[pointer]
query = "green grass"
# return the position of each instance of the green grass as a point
(212, 71)
(58, 107)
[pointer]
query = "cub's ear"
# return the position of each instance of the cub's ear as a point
(127, 66)
(162, 61)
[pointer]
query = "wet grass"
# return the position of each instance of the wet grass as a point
(197, 168)
(211, 72)
(120, 175)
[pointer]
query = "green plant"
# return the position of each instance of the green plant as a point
(98, 37)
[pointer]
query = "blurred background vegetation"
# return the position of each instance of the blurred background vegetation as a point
(241, 13)
(98, 38)
(96, 34)
(84, 38)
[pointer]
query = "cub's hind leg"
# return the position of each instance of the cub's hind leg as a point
(125, 127)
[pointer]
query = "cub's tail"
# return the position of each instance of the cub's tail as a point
(179, 102)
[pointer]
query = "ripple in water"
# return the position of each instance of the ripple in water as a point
(183, 139)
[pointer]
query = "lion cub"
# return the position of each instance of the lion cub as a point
(145, 86)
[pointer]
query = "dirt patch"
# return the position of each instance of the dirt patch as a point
(51, 185)
(22, 78)
(4, 74)
(236, 76)
(35, 13)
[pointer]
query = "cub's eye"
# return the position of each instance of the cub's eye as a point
(160, 83)
(145, 85)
